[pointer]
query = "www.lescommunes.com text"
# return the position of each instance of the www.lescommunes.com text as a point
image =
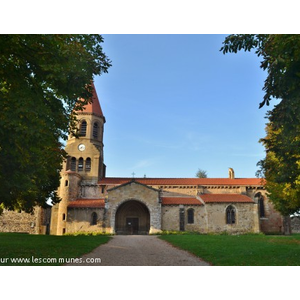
(49, 260)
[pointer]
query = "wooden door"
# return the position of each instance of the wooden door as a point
(132, 225)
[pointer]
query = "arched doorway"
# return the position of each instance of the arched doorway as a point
(132, 217)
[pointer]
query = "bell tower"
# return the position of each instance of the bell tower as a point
(85, 154)
(84, 165)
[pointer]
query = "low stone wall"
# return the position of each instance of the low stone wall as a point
(12, 221)
(295, 224)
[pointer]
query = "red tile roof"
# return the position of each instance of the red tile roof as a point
(226, 198)
(93, 107)
(180, 200)
(185, 181)
(87, 203)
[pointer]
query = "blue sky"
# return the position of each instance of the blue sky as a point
(174, 103)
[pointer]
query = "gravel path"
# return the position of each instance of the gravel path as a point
(138, 250)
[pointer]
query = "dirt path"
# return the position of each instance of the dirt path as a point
(138, 250)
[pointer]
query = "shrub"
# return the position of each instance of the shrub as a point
(87, 233)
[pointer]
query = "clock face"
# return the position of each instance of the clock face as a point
(81, 147)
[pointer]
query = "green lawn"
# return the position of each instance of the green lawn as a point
(241, 250)
(38, 250)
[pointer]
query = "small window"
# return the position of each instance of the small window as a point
(230, 215)
(73, 164)
(261, 205)
(190, 213)
(181, 219)
(94, 219)
(88, 165)
(82, 129)
(66, 183)
(80, 164)
(95, 130)
(63, 217)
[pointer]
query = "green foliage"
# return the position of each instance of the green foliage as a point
(41, 79)
(281, 166)
(168, 232)
(280, 58)
(87, 233)
(201, 174)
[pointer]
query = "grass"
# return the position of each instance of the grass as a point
(23, 249)
(220, 250)
(241, 250)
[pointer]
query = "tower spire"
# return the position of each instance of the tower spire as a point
(95, 106)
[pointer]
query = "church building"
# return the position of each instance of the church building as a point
(92, 202)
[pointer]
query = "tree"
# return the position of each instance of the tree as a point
(281, 190)
(42, 78)
(281, 59)
(281, 166)
(201, 174)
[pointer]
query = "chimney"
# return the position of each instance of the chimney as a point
(231, 173)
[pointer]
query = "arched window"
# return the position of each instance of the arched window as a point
(190, 215)
(80, 164)
(261, 205)
(82, 129)
(94, 219)
(73, 164)
(95, 130)
(230, 215)
(88, 165)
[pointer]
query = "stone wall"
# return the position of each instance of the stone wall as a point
(35, 223)
(295, 224)
(171, 220)
(79, 220)
(272, 222)
(217, 189)
(246, 218)
(90, 191)
(212, 218)
(186, 190)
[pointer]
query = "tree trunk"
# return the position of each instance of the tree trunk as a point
(287, 230)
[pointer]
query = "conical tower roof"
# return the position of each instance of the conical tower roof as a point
(93, 107)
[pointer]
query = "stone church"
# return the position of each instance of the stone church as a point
(92, 202)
